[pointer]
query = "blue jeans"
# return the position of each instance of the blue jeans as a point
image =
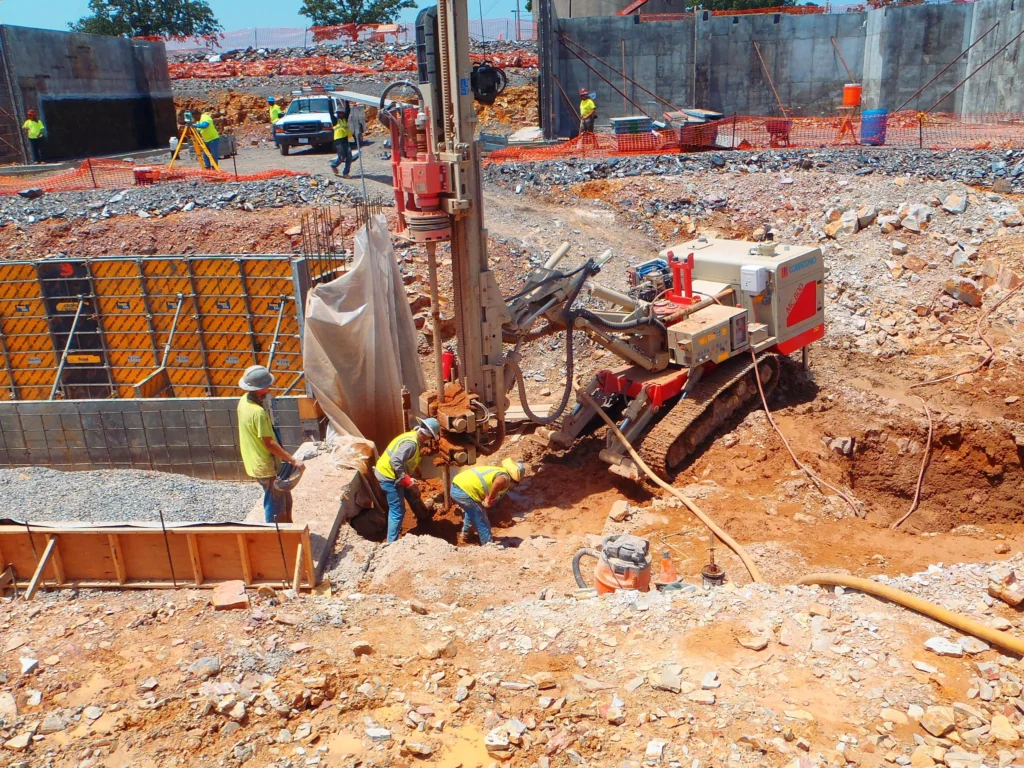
(213, 146)
(475, 516)
(396, 507)
(277, 505)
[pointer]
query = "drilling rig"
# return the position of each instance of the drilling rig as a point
(699, 333)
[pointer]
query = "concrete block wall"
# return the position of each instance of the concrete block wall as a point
(191, 436)
(710, 62)
(96, 94)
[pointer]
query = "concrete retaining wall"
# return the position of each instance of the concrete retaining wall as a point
(710, 61)
(95, 94)
(191, 436)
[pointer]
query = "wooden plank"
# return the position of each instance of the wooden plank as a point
(297, 576)
(72, 527)
(58, 562)
(6, 579)
(307, 559)
(33, 586)
(243, 554)
(116, 555)
(193, 552)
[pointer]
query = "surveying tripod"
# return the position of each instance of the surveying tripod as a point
(191, 132)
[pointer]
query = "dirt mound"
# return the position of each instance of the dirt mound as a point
(517, 107)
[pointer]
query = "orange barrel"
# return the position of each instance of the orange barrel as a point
(851, 94)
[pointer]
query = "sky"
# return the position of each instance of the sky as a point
(233, 14)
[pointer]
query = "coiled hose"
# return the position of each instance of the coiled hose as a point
(576, 564)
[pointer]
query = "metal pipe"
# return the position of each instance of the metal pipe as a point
(604, 258)
(606, 80)
(435, 318)
(67, 347)
(981, 67)
(610, 295)
(277, 330)
(557, 256)
(768, 74)
(840, 55)
(939, 74)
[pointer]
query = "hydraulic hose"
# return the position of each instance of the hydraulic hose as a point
(576, 565)
(729, 541)
(932, 611)
(625, 325)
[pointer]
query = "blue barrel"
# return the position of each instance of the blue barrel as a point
(872, 127)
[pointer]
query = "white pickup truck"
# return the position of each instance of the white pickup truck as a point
(308, 121)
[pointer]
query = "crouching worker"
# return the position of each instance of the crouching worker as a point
(477, 489)
(395, 467)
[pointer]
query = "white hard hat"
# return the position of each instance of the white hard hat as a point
(255, 378)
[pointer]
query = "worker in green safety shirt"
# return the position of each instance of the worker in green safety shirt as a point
(35, 130)
(395, 467)
(208, 132)
(477, 489)
(342, 148)
(275, 110)
(588, 111)
(259, 444)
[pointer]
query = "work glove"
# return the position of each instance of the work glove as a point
(407, 481)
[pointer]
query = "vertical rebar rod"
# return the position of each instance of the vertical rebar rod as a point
(67, 348)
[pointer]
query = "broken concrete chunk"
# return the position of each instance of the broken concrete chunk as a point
(943, 647)
(208, 666)
(19, 743)
(619, 511)
(1002, 730)
(938, 721)
(955, 204)
(378, 734)
(965, 290)
(701, 697)
(665, 680)
(754, 642)
(229, 596)
(438, 649)
(898, 248)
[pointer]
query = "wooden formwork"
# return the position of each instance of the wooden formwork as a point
(150, 556)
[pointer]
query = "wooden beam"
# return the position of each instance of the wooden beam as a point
(297, 576)
(118, 557)
(33, 586)
(58, 563)
(7, 580)
(193, 553)
(243, 553)
(307, 559)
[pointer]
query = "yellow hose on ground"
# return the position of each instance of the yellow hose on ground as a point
(755, 574)
(931, 610)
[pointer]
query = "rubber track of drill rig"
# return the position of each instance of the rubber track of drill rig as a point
(693, 419)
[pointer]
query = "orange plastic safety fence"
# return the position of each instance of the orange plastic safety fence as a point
(116, 174)
(313, 65)
(902, 130)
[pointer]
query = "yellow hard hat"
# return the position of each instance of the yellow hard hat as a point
(515, 469)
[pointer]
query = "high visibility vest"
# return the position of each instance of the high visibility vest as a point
(587, 106)
(275, 113)
(384, 462)
(341, 130)
(35, 128)
(209, 133)
(477, 481)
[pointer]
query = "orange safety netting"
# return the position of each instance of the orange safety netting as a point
(118, 174)
(902, 130)
(312, 65)
(407, 63)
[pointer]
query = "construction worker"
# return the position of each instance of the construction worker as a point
(35, 130)
(588, 111)
(342, 134)
(275, 110)
(477, 489)
(258, 442)
(395, 465)
(208, 132)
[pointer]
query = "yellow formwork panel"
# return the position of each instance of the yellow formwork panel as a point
(234, 360)
(25, 306)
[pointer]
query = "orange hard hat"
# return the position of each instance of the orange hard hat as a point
(31, 113)
(584, 92)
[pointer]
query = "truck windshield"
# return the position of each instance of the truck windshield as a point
(309, 106)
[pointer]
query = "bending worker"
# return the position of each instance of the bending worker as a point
(259, 444)
(35, 130)
(395, 465)
(588, 111)
(477, 489)
(208, 132)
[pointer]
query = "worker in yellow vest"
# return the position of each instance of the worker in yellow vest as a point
(208, 132)
(395, 467)
(477, 489)
(342, 134)
(275, 110)
(588, 111)
(35, 130)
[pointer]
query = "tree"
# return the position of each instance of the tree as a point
(149, 18)
(330, 13)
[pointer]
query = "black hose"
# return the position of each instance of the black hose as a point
(576, 565)
(626, 325)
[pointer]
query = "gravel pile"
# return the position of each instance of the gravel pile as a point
(123, 495)
(967, 166)
(162, 199)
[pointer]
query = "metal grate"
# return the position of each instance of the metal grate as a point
(322, 243)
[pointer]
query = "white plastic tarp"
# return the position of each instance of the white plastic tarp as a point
(359, 343)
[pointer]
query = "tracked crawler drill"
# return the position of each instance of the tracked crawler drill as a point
(687, 335)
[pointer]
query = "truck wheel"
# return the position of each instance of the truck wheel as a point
(284, 149)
